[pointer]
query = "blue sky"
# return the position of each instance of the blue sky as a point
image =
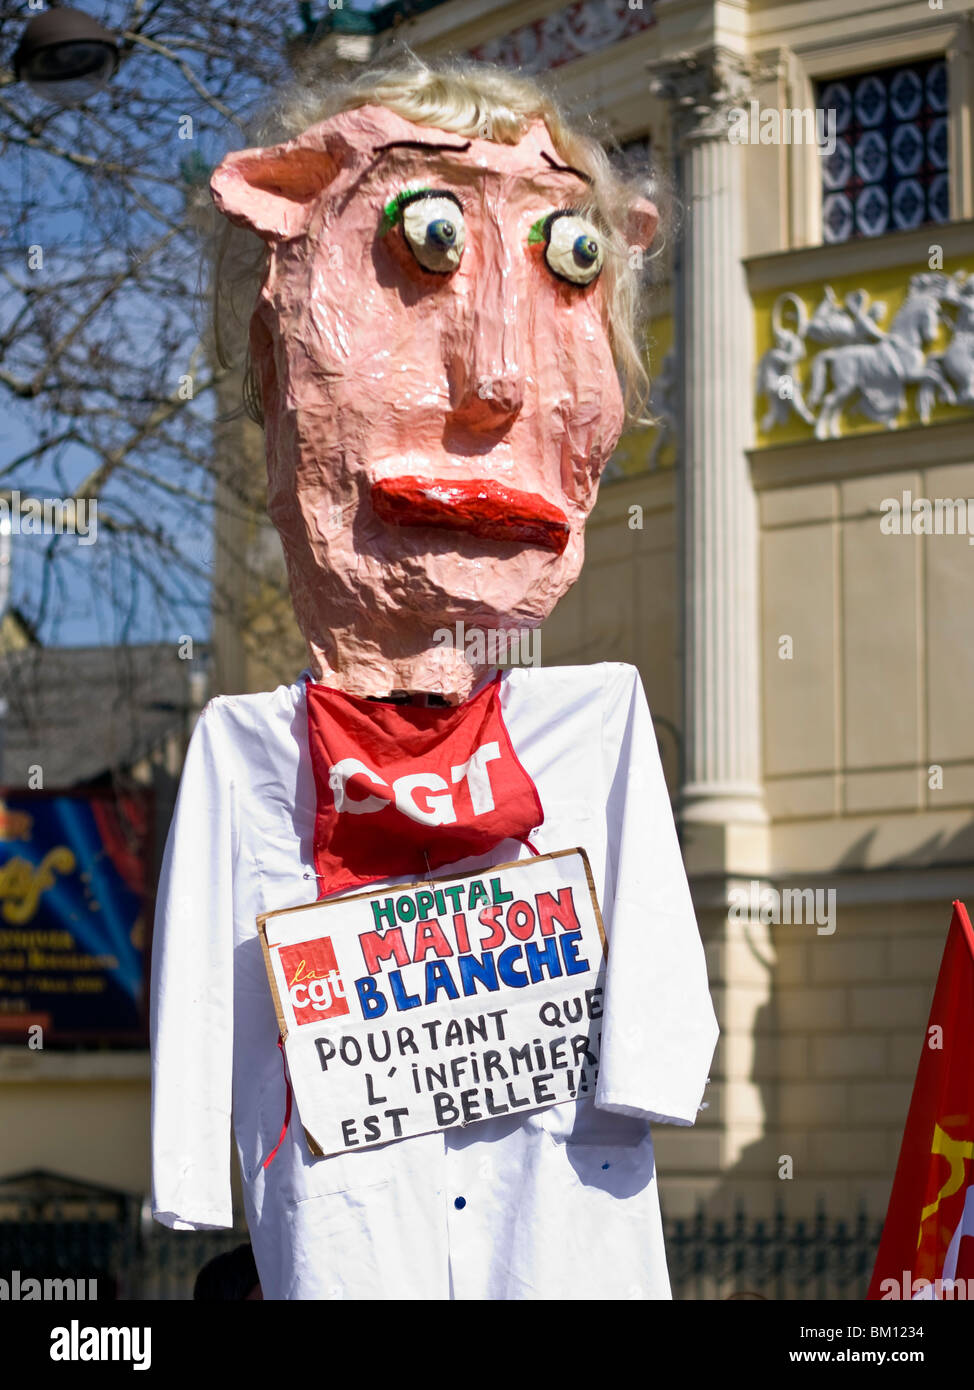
(101, 598)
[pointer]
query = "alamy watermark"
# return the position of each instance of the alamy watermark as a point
(49, 516)
(775, 907)
(924, 516)
(908, 1288)
(518, 646)
(77, 1343)
(769, 125)
(17, 1289)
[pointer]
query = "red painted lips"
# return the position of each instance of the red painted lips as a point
(482, 508)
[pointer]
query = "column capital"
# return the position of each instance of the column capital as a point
(702, 87)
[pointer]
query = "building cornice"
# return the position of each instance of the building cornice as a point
(810, 461)
(782, 270)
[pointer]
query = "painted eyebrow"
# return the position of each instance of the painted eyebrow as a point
(565, 168)
(429, 145)
(418, 145)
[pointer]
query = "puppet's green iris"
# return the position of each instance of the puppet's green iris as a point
(392, 212)
(573, 247)
(432, 227)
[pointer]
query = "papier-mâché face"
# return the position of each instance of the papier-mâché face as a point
(438, 385)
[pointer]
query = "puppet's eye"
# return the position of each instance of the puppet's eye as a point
(573, 247)
(433, 226)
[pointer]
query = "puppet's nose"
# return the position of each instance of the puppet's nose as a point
(486, 384)
(485, 372)
(496, 398)
(488, 400)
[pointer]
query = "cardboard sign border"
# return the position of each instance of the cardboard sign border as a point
(316, 1150)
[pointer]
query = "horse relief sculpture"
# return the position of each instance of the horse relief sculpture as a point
(862, 365)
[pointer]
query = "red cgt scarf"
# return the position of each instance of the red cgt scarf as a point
(404, 789)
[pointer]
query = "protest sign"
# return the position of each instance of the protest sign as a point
(439, 1003)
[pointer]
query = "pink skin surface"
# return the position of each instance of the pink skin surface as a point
(373, 368)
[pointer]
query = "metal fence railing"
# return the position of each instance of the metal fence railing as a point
(164, 1264)
(780, 1257)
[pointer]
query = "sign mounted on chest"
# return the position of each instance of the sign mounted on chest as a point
(438, 1004)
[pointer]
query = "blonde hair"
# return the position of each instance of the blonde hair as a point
(474, 100)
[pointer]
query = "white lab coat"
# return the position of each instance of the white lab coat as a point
(553, 1204)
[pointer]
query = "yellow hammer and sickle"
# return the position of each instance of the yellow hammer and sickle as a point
(955, 1151)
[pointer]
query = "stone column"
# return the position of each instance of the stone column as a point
(720, 805)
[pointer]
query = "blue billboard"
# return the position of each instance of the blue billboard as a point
(74, 916)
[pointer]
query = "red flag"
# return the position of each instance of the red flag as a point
(928, 1237)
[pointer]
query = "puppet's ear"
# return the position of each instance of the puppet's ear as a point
(641, 223)
(272, 191)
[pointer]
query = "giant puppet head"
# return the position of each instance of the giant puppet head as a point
(445, 305)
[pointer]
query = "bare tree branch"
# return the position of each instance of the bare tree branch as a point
(103, 323)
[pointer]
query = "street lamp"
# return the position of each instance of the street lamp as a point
(65, 56)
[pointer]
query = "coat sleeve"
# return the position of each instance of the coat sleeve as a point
(659, 1029)
(191, 1000)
